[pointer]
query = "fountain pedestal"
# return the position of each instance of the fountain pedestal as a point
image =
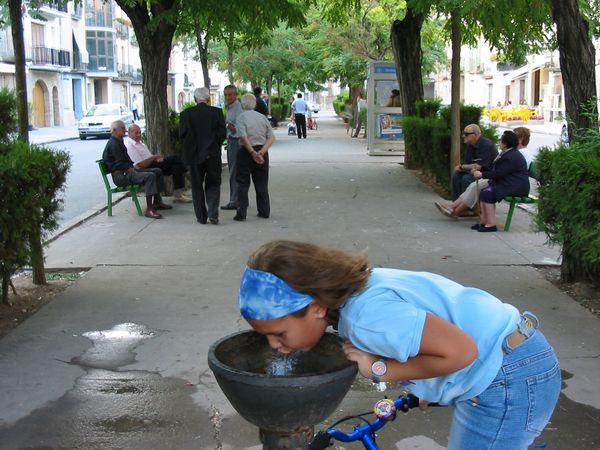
(285, 406)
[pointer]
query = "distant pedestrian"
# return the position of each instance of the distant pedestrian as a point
(134, 108)
(261, 105)
(300, 108)
(203, 130)
(256, 137)
(234, 109)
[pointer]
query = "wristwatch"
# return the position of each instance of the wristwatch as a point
(378, 369)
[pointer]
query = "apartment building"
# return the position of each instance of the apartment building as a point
(79, 55)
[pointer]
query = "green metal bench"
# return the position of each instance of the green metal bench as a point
(131, 188)
(514, 201)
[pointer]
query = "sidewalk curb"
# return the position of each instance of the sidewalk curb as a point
(56, 140)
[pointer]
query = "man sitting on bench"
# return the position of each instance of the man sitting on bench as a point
(121, 168)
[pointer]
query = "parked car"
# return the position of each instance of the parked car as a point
(313, 107)
(98, 119)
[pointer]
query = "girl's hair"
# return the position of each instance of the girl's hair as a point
(328, 274)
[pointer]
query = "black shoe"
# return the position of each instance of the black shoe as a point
(213, 221)
(484, 229)
(228, 207)
(239, 218)
(476, 226)
(264, 216)
(202, 221)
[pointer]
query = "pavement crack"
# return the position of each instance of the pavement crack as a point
(217, 422)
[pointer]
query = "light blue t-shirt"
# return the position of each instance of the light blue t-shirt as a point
(299, 106)
(388, 317)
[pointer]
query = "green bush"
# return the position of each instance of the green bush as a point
(468, 114)
(31, 177)
(175, 143)
(428, 107)
(569, 205)
(8, 114)
(340, 102)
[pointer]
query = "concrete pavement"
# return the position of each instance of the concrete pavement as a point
(177, 280)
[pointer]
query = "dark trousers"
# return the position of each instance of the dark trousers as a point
(246, 169)
(172, 165)
(460, 182)
(136, 116)
(151, 179)
(300, 125)
(206, 188)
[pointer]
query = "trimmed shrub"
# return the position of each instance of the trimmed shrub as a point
(569, 205)
(428, 107)
(468, 114)
(31, 177)
(340, 102)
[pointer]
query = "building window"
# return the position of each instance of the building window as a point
(100, 46)
(98, 13)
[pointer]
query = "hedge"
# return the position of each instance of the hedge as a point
(569, 205)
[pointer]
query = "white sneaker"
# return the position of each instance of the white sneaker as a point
(182, 199)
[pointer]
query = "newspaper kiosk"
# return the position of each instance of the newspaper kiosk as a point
(384, 124)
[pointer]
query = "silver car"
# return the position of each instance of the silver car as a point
(98, 119)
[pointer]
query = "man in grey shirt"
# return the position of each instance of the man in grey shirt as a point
(234, 109)
(256, 137)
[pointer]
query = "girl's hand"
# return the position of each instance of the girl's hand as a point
(477, 174)
(364, 359)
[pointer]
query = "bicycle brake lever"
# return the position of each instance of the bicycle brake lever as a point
(321, 441)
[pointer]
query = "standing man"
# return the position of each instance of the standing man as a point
(202, 129)
(256, 137)
(234, 109)
(480, 152)
(134, 108)
(299, 108)
(169, 165)
(121, 168)
(261, 105)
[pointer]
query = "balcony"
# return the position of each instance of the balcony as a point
(58, 6)
(77, 62)
(50, 56)
(127, 71)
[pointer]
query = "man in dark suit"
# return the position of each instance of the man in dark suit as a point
(203, 131)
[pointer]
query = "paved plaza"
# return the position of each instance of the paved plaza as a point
(175, 283)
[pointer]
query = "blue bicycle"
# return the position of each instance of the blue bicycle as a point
(385, 410)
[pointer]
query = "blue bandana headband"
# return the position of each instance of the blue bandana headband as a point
(264, 296)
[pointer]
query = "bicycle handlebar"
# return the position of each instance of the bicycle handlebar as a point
(366, 433)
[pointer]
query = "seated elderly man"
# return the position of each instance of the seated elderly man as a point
(169, 165)
(123, 173)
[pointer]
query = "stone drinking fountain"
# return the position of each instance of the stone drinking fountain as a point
(283, 395)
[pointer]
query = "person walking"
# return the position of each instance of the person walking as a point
(256, 137)
(134, 108)
(203, 130)
(299, 108)
(234, 109)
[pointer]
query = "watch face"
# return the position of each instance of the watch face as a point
(379, 368)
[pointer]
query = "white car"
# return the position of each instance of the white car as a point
(98, 119)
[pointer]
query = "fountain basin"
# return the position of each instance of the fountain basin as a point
(309, 392)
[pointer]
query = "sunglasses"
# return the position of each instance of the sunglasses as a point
(466, 134)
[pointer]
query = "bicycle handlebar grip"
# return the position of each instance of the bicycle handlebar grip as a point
(412, 401)
(321, 441)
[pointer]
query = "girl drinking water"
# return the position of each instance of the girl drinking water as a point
(456, 345)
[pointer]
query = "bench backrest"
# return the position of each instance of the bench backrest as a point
(103, 172)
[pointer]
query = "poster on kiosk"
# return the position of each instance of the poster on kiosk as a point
(384, 114)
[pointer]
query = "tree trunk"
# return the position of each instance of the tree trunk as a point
(230, 58)
(36, 255)
(5, 283)
(269, 91)
(455, 130)
(577, 63)
(202, 39)
(406, 46)
(155, 49)
(16, 25)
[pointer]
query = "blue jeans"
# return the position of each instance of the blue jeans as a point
(516, 406)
